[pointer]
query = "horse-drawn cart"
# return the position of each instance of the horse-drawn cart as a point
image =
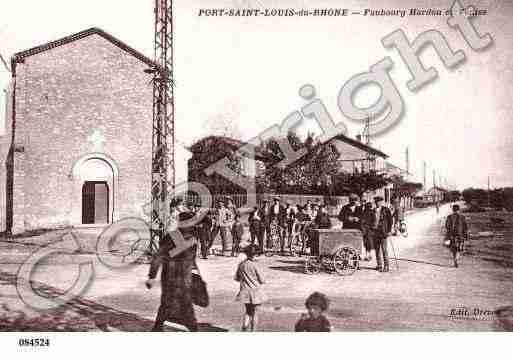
(334, 250)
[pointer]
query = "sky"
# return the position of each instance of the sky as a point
(245, 73)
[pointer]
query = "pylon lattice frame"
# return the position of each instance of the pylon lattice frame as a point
(163, 165)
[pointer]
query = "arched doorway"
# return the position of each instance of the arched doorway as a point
(95, 178)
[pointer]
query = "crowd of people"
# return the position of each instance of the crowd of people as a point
(272, 218)
(376, 220)
(278, 225)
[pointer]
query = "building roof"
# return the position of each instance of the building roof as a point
(390, 167)
(18, 57)
(359, 144)
(436, 189)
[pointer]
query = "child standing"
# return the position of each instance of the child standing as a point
(315, 321)
(251, 293)
(237, 232)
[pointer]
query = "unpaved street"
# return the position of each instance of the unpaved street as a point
(418, 294)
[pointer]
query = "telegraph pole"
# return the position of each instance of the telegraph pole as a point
(407, 160)
(366, 134)
(424, 175)
(163, 165)
(488, 191)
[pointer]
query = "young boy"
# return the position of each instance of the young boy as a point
(315, 321)
(237, 232)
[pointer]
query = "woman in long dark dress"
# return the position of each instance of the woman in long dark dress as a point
(176, 277)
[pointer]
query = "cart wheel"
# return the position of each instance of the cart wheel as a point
(345, 261)
(312, 265)
(403, 229)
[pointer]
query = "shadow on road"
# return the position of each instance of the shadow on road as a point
(423, 262)
(78, 314)
(292, 269)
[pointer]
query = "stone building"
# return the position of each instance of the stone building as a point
(78, 139)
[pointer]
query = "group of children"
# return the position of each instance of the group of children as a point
(252, 296)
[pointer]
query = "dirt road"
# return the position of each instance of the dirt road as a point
(422, 292)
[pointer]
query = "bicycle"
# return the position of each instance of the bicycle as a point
(300, 238)
(403, 228)
(142, 249)
(275, 239)
(400, 228)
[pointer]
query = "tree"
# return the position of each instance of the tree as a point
(359, 183)
(317, 172)
(475, 195)
(310, 174)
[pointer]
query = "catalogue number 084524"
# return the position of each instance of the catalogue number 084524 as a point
(34, 342)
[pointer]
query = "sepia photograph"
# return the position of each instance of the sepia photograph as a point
(255, 166)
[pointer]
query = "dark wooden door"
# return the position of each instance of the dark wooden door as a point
(95, 202)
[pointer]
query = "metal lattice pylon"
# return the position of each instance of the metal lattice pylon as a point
(163, 165)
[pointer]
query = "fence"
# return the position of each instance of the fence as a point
(241, 200)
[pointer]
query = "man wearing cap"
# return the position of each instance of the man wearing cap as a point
(381, 227)
(257, 227)
(204, 228)
(266, 221)
(223, 224)
(397, 214)
(457, 231)
(350, 215)
(308, 209)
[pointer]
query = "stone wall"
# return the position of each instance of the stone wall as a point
(63, 96)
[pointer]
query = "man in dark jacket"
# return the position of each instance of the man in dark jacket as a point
(277, 211)
(322, 220)
(204, 228)
(257, 227)
(350, 215)
(382, 227)
(265, 210)
(457, 232)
